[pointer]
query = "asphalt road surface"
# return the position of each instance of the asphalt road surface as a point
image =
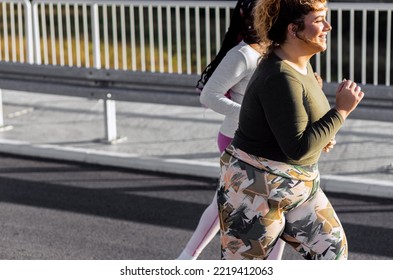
(63, 211)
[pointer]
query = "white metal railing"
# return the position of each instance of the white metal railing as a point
(178, 36)
(154, 36)
(351, 48)
(16, 33)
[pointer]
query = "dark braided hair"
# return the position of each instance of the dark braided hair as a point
(240, 28)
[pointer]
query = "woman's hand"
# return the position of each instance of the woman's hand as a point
(348, 96)
(330, 145)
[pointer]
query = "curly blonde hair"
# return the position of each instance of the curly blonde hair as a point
(272, 17)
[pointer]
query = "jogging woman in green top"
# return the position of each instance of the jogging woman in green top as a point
(269, 184)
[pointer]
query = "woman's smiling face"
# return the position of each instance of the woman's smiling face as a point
(316, 27)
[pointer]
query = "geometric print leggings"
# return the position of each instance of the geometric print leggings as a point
(260, 200)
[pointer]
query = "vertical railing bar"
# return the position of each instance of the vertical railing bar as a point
(5, 32)
(13, 35)
(123, 37)
(218, 33)
(114, 38)
(86, 35)
(44, 34)
(388, 47)
(339, 42)
(69, 38)
(21, 34)
(77, 36)
(36, 26)
(160, 38)
(105, 32)
(52, 34)
(133, 36)
(208, 38)
(142, 39)
(151, 39)
(169, 38)
(188, 40)
(95, 31)
(60, 31)
(227, 17)
(352, 45)
(376, 46)
(198, 40)
(364, 47)
(178, 41)
(329, 52)
(29, 32)
(318, 63)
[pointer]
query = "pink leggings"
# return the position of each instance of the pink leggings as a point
(208, 225)
(223, 141)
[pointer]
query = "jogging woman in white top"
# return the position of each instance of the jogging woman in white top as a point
(222, 86)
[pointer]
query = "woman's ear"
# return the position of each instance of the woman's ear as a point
(292, 30)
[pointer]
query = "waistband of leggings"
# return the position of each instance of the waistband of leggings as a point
(291, 171)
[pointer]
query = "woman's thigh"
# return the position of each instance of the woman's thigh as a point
(315, 231)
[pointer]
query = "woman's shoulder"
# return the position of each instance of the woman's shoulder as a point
(244, 52)
(248, 51)
(272, 70)
(271, 66)
(243, 49)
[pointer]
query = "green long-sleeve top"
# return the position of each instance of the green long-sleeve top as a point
(285, 116)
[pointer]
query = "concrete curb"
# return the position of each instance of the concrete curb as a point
(115, 159)
(331, 183)
(356, 185)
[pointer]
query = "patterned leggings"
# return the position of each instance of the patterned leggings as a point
(260, 201)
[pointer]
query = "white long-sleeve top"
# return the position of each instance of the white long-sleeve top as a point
(232, 74)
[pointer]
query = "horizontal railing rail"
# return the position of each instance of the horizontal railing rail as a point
(105, 84)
